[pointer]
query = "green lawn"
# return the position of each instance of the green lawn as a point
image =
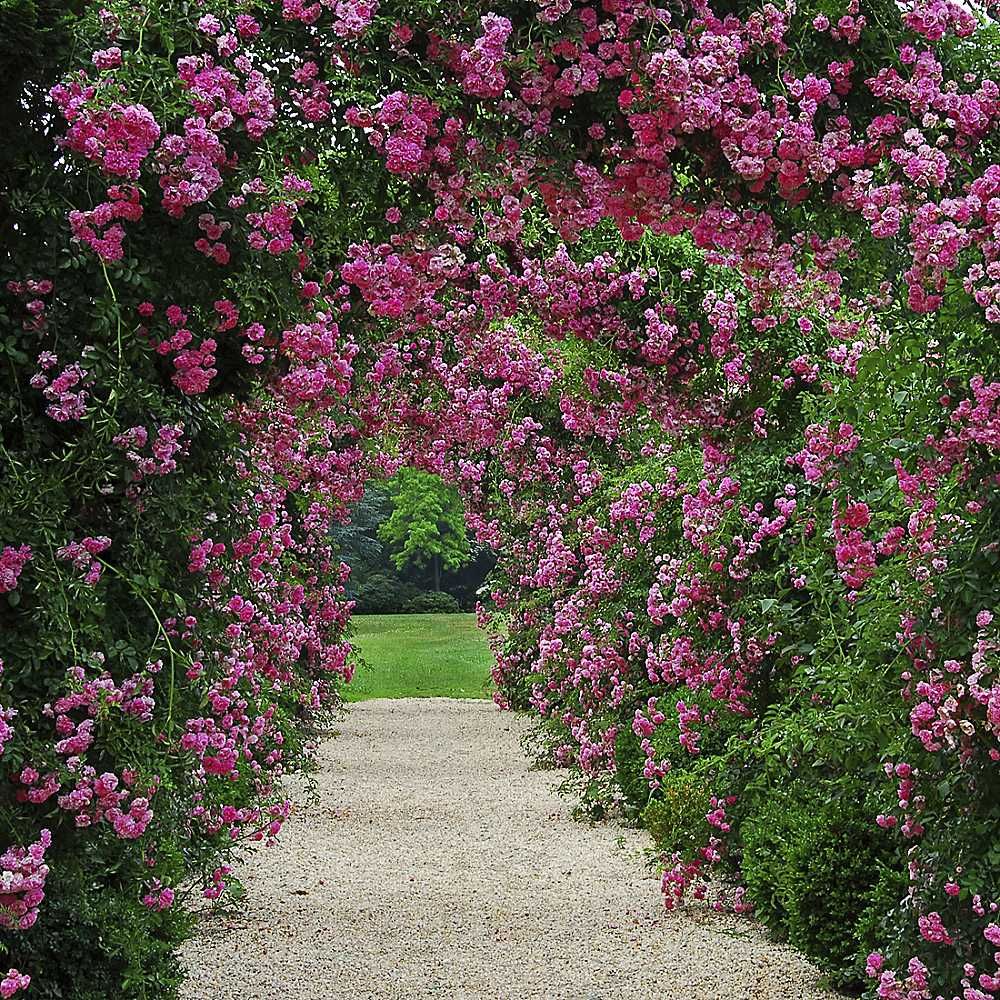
(426, 656)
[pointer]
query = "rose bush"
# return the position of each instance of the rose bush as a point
(176, 444)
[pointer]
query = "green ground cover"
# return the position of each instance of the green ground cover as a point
(422, 656)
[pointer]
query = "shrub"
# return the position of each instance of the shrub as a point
(433, 602)
(676, 818)
(384, 594)
(632, 785)
(100, 942)
(811, 868)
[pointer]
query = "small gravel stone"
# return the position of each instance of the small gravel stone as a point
(438, 864)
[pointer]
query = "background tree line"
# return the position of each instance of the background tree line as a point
(409, 550)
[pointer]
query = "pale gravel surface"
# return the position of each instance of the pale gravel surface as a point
(436, 864)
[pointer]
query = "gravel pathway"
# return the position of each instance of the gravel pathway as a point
(436, 864)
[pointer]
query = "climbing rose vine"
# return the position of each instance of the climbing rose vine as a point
(695, 305)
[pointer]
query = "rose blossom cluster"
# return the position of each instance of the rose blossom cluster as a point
(167, 444)
(12, 563)
(66, 392)
(23, 873)
(83, 555)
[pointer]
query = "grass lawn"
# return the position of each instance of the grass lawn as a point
(425, 656)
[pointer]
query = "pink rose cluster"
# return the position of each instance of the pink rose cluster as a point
(167, 444)
(23, 873)
(66, 392)
(12, 563)
(13, 982)
(83, 555)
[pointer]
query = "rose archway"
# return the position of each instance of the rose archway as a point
(696, 306)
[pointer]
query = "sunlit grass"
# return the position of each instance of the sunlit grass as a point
(420, 656)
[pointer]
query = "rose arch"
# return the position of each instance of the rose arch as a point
(696, 305)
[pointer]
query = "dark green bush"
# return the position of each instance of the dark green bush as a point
(810, 868)
(434, 602)
(629, 760)
(383, 594)
(887, 916)
(99, 941)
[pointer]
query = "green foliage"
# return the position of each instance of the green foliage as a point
(629, 759)
(432, 602)
(811, 867)
(103, 938)
(725, 726)
(887, 917)
(357, 541)
(382, 594)
(427, 524)
(676, 818)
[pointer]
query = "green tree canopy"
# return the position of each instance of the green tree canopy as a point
(427, 525)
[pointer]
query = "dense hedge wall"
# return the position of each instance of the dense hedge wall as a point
(172, 619)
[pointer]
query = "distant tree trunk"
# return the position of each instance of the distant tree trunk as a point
(437, 573)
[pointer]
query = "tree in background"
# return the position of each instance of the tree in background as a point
(427, 524)
(357, 541)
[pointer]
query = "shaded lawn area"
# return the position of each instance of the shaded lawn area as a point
(407, 656)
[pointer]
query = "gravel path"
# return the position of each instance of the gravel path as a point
(436, 864)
